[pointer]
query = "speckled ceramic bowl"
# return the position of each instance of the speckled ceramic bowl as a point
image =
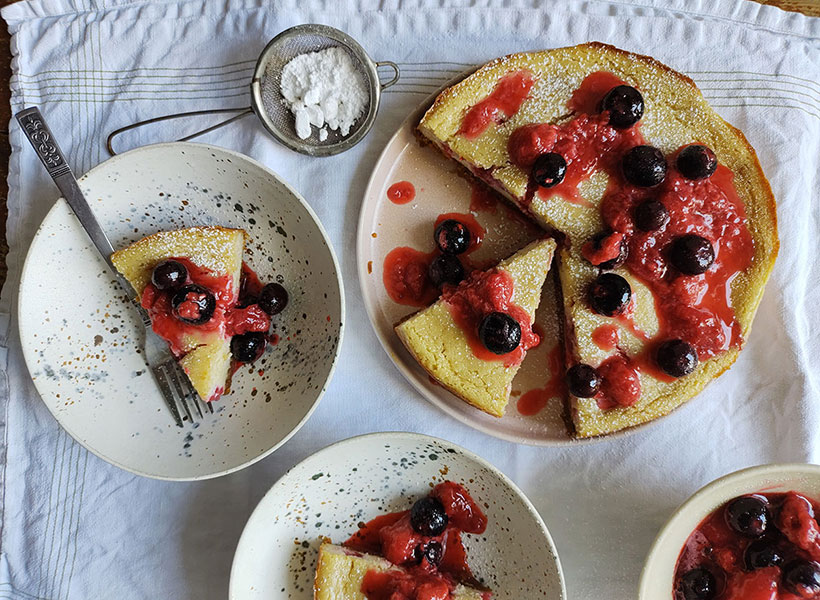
(357, 479)
(82, 351)
(657, 579)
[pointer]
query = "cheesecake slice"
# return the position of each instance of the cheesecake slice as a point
(341, 573)
(550, 131)
(213, 258)
(444, 337)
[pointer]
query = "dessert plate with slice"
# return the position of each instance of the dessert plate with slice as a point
(236, 274)
(395, 513)
(665, 228)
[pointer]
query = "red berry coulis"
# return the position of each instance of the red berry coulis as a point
(694, 308)
(792, 532)
(482, 199)
(482, 293)
(503, 102)
(606, 337)
(231, 316)
(405, 269)
(401, 192)
(393, 537)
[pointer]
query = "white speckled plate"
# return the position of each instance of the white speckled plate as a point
(355, 480)
(441, 188)
(82, 351)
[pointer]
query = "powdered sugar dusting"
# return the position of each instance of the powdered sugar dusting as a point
(217, 249)
(323, 89)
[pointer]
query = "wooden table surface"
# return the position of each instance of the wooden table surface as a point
(809, 7)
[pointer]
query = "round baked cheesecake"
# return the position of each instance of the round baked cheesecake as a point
(666, 222)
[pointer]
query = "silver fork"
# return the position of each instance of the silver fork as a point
(172, 381)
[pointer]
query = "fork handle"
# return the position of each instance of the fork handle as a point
(41, 138)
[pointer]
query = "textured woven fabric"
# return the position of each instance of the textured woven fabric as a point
(76, 527)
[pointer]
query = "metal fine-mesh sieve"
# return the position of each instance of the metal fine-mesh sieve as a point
(268, 104)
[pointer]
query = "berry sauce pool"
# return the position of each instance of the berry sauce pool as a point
(533, 402)
(405, 270)
(792, 533)
(401, 192)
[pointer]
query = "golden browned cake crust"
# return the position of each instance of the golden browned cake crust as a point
(207, 356)
(676, 114)
(441, 347)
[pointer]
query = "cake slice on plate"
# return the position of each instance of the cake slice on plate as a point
(341, 572)
(188, 308)
(669, 222)
(473, 339)
(417, 553)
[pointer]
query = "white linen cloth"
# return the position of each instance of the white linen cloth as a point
(76, 527)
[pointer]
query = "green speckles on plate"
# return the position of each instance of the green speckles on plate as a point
(381, 473)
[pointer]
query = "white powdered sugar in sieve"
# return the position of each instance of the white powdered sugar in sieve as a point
(324, 89)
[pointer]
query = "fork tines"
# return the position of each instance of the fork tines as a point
(177, 389)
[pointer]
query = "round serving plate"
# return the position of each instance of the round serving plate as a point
(357, 479)
(83, 350)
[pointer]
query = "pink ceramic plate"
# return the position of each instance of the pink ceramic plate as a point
(385, 225)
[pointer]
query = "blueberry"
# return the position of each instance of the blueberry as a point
(802, 578)
(609, 294)
(644, 166)
(169, 275)
(696, 162)
(748, 515)
(761, 554)
(651, 215)
(677, 358)
(446, 268)
(193, 304)
(273, 299)
(247, 347)
(623, 251)
(691, 254)
(499, 333)
(697, 584)
(433, 551)
(549, 169)
(428, 517)
(452, 237)
(583, 381)
(625, 106)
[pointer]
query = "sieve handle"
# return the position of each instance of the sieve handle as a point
(396, 73)
(241, 112)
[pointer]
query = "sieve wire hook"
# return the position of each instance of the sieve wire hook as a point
(241, 113)
(396, 73)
